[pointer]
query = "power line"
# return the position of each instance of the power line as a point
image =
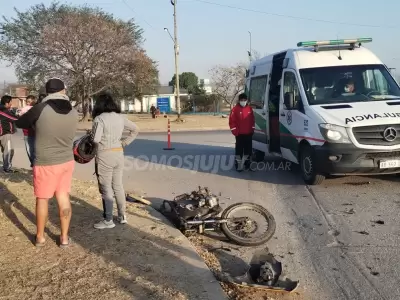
(294, 17)
(128, 6)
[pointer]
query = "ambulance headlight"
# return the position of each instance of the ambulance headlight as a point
(334, 133)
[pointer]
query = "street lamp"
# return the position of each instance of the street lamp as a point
(250, 55)
(167, 31)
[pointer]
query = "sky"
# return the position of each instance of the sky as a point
(218, 34)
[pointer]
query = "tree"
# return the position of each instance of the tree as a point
(228, 81)
(143, 77)
(86, 47)
(188, 81)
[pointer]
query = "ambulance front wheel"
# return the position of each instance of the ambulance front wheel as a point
(307, 166)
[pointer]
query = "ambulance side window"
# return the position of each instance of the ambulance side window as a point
(257, 91)
(290, 86)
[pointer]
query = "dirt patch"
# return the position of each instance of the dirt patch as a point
(190, 122)
(136, 261)
(203, 246)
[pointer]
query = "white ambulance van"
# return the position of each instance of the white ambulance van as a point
(330, 106)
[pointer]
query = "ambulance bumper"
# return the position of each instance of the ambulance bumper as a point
(347, 159)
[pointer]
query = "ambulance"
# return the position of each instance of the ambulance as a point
(330, 106)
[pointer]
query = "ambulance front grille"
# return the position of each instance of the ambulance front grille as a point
(374, 135)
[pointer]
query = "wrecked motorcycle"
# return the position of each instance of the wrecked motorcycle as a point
(199, 210)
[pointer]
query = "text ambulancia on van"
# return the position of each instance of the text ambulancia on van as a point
(331, 106)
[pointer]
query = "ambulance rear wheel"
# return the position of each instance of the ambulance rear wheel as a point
(307, 166)
(258, 156)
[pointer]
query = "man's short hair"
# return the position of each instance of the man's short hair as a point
(243, 96)
(5, 99)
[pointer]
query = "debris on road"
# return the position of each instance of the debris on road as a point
(379, 222)
(362, 232)
(358, 183)
(136, 198)
(263, 273)
(373, 273)
(349, 211)
(237, 291)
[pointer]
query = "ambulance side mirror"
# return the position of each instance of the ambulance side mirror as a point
(289, 100)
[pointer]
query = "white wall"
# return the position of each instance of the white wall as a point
(135, 106)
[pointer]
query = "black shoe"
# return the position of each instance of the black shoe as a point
(247, 165)
(10, 171)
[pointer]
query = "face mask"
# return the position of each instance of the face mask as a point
(346, 89)
(243, 103)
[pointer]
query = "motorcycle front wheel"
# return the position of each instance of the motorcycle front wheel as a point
(248, 230)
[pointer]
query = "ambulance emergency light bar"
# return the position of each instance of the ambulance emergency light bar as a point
(334, 42)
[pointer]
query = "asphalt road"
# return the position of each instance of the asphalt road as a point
(340, 239)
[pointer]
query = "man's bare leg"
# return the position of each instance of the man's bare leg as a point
(42, 211)
(65, 211)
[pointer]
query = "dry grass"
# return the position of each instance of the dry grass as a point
(191, 122)
(136, 261)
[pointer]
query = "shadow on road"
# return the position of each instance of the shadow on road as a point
(149, 155)
(129, 254)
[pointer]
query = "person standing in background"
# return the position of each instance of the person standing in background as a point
(153, 111)
(7, 129)
(242, 125)
(107, 130)
(29, 134)
(55, 122)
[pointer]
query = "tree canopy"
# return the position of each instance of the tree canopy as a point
(228, 81)
(88, 48)
(188, 81)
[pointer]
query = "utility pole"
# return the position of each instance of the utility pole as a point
(176, 47)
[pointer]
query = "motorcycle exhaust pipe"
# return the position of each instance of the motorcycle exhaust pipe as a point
(201, 222)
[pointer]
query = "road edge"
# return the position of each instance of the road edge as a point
(175, 130)
(209, 282)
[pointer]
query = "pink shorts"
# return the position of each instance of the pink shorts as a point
(48, 180)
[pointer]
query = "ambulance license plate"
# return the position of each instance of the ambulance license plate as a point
(387, 164)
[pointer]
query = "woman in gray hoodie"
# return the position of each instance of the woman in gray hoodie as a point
(107, 130)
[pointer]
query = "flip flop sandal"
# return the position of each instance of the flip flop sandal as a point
(39, 244)
(63, 246)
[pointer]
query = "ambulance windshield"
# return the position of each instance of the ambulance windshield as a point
(344, 84)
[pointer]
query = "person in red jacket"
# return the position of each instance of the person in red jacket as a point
(242, 125)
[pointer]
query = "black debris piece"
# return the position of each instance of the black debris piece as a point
(362, 232)
(379, 222)
(358, 183)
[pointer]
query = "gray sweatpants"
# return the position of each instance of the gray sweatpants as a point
(7, 150)
(109, 170)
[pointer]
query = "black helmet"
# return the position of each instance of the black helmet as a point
(84, 149)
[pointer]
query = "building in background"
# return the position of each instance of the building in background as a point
(163, 97)
(206, 85)
(19, 91)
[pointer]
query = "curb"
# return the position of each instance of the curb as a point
(206, 277)
(175, 130)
